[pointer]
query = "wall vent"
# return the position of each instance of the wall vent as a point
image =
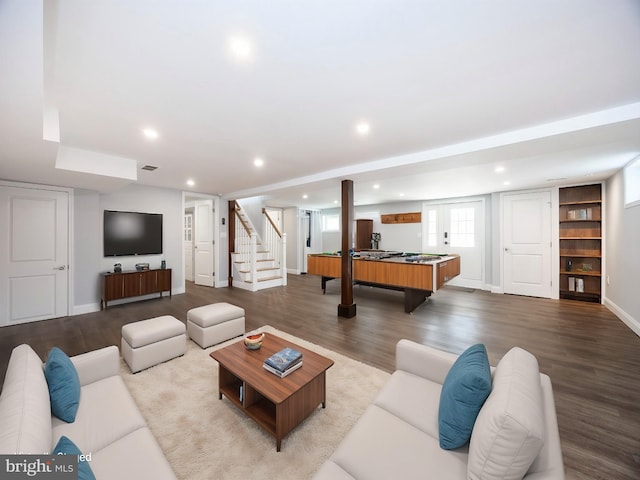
(149, 168)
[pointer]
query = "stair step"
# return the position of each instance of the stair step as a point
(266, 260)
(260, 270)
(277, 277)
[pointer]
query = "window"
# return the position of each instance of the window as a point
(331, 223)
(188, 227)
(632, 183)
(462, 227)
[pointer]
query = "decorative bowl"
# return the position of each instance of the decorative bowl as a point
(253, 341)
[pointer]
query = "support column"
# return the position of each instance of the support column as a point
(231, 218)
(347, 308)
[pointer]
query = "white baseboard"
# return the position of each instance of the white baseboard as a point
(87, 308)
(222, 284)
(628, 320)
(293, 271)
(497, 289)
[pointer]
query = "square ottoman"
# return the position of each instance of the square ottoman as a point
(149, 342)
(215, 323)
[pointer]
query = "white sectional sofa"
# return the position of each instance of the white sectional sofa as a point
(398, 435)
(108, 425)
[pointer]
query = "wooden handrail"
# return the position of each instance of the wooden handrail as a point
(244, 224)
(264, 210)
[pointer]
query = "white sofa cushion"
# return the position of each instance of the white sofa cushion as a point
(25, 410)
(136, 455)
(107, 413)
(413, 399)
(382, 446)
(509, 431)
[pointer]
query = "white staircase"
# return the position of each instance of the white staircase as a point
(257, 263)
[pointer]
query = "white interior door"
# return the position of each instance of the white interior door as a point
(34, 253)
(526, 237)
(204, 248)
(457, 228)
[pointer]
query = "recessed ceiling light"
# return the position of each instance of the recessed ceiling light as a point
(191, 183)
(240, 47)
(376, 186)
(305, 196)
(402, 194)
(363, 128)
(507, 183)
(499, 169)
(336, 202)
(258, 162)
(150, 133)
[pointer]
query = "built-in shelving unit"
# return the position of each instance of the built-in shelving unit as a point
(581, 242)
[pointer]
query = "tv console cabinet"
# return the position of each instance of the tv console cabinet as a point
(115, 286)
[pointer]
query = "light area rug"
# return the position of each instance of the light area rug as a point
(207, 438)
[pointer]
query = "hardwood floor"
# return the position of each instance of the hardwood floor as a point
(593, 359)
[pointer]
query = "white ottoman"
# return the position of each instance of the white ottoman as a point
(215, 323)
(149, 342)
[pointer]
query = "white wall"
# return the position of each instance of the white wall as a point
(88, 253)
(291, 226)
(622, 254)
(405, 237)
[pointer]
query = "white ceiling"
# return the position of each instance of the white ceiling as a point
(549, 90)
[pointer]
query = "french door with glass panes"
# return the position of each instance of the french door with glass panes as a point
(457, 227)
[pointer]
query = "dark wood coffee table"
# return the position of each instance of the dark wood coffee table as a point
(277, 404)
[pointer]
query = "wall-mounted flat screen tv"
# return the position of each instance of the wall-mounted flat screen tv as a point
(132, 233)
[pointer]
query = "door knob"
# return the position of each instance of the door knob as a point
(506, 249)
(61, 267)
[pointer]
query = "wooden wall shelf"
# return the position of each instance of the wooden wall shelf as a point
(414, 217)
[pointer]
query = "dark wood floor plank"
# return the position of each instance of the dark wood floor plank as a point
(593, 359)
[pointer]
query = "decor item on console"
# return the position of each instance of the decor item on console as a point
(107, 422)
(515, 434)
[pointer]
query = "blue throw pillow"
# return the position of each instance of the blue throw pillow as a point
(64, 385)
(66, 447)
(465, 388)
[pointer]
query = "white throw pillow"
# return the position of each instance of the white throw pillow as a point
(509, 431)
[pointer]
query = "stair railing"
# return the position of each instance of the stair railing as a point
(276, 243)
(246, 246)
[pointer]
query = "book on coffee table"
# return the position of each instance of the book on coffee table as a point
(282, 374)
(284, 359)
